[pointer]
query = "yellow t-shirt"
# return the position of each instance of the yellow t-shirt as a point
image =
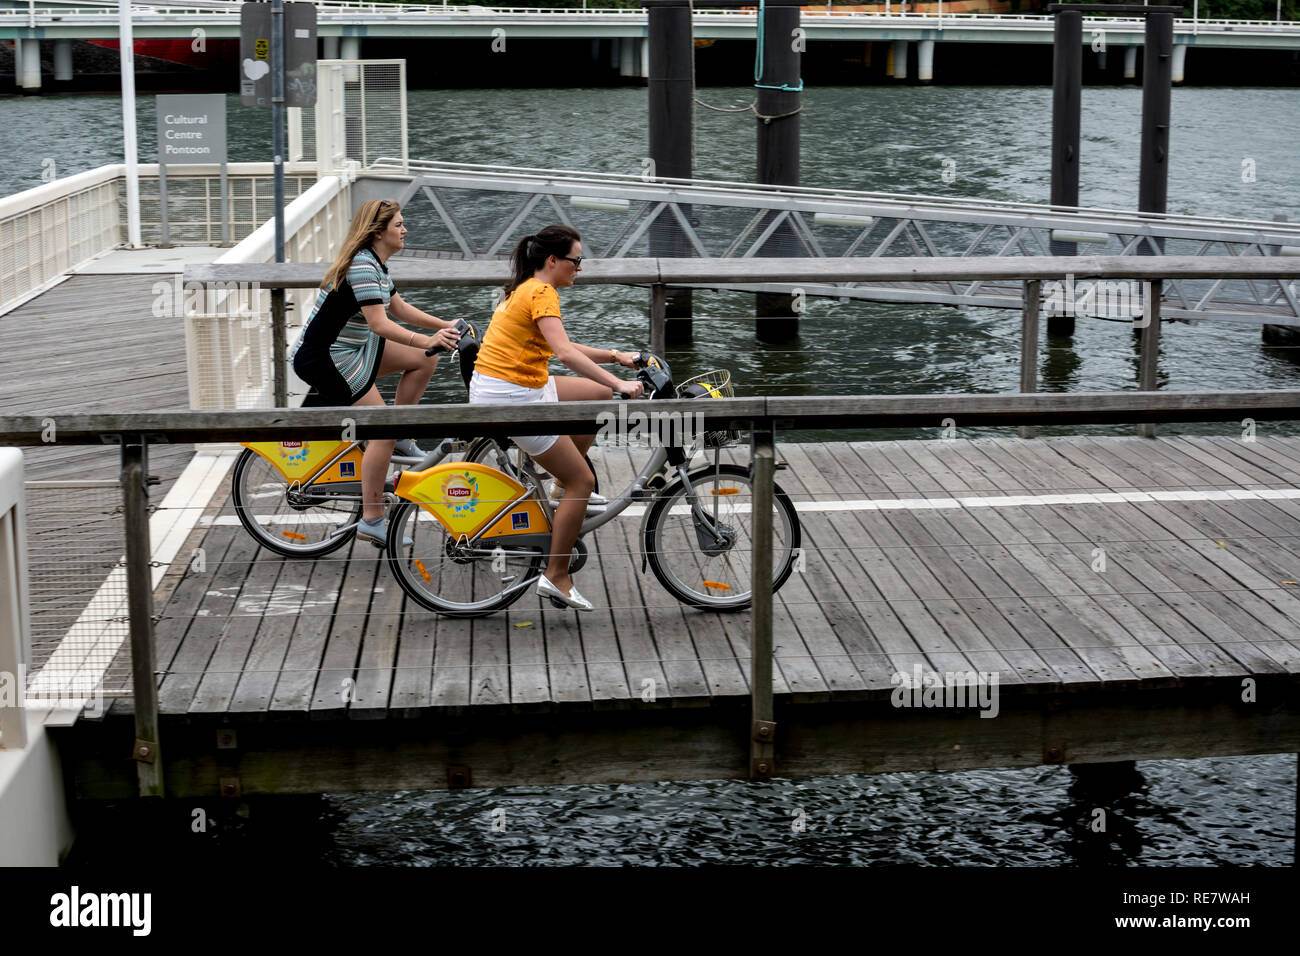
(514, 349)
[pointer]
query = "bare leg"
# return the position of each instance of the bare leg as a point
(565, 462)
(416, 368)
(569, 388)
(374, 465)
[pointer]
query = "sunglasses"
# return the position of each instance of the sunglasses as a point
(576, 261)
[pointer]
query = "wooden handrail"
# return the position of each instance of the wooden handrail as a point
(836, 411)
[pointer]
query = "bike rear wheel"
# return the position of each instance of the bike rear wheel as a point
(451, 577)
(294, 523)
(702, 570)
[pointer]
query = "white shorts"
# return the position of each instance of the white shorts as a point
(486, 390)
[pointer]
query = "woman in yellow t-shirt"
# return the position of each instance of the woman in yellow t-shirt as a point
(524, 333)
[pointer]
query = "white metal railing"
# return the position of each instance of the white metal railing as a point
(194, 200)
(228, 335)
(47, 231)
(15, 614)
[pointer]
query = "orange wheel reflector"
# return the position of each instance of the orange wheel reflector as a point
(294, 535)
(419, 566)
(725, 491)
(717, 586)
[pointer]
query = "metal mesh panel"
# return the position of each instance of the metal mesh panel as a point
(76, 560)
(194, 205)
(360, 115)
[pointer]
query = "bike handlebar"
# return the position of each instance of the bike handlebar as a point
(462, 328)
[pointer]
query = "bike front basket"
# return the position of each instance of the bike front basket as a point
(714, 384)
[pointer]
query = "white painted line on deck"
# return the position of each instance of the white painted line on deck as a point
(900, 504)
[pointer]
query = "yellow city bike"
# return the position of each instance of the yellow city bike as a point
(480, 529)
(302, 499)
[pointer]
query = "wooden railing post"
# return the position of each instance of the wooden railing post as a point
(1148, 359)
(278, 347)
(1029, 346)
(139, 594)
(762, 752)
(658, 317)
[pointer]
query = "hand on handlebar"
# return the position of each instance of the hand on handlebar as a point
(629, 388)
(444, 340)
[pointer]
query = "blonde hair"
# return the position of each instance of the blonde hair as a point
(367, 225)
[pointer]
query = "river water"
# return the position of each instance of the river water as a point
(1211, 811)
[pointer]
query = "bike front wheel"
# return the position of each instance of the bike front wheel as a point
(294, 523)
(450, 576)
(707, 561)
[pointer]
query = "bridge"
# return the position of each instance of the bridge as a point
(342, 26)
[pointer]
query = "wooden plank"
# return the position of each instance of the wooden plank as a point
(1166, 569)
(412, 689)
(524, 629)
(664, 643)
(297, 678)
(378, 660)
(1112, 618)
(605, 677)
(993, 631)
(221, 675)
(347, 627)
(1098, 473)
(942, 459)
(256, 685)
(1145, 615)
(213, 618)
(489, 673)
(1107, 649)
(978, 455)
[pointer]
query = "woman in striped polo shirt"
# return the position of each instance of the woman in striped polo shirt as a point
(349, 340)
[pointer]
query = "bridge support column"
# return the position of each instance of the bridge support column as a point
(350, 49)
(925, 61)
(1180, 62)
(31, 74)
(614, 55)
(627, 57)
(329, 48)
(62, 61)
(900, 59)
(1130, 62)
(777, 117)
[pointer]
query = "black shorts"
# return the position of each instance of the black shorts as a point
(329, 387)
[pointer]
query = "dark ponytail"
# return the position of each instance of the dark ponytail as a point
(532, 251)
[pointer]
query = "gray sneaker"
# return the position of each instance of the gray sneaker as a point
(376, 532)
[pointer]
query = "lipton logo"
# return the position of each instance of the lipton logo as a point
(294, 452)
(460, 491)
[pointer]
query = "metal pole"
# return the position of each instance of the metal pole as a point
(1148, 358)
(762, 751)
(1029, 346)
(671, 89)
(126, 42)
(1067, 87)
(277, 125)
(165, 239)
(225, 206)
(778, 82)
(139, 594)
